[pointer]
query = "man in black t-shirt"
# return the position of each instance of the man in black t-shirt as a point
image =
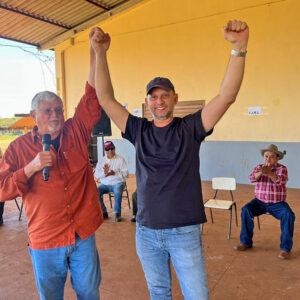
(170, 207)
(1, 203)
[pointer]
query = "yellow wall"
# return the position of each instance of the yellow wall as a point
(182, 40)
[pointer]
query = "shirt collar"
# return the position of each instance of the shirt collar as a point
(36, 136)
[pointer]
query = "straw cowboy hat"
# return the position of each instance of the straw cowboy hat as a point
(273, 148)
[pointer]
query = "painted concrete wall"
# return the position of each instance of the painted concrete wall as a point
(183, 41)
(226, 159)
(238, 159)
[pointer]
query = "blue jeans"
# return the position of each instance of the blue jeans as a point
(51, 269)
(183, 245)
(1, 208)
(117, 189)
(280, 211)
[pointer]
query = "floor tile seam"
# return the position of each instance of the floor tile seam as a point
(112, 293)
(223, 274)
(13, 252)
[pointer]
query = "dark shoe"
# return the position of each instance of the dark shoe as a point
(241, 247)
(133, 219)
(283, 254)
(105, 215)
(117, 217)
(1, 220)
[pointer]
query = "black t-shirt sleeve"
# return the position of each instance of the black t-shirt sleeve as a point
(194, 121)
(132, 127)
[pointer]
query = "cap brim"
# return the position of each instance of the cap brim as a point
(159, 86)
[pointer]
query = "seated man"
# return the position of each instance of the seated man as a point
(270, 195)
(112, 172)
(1, 213)
(1, 203)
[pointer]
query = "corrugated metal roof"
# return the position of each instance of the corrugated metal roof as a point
(45, 23)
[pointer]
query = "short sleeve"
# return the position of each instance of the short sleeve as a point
(194, 121)
(133, 126)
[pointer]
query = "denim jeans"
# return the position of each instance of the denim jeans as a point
(51, 269)
(280, 211)
(1, 208)
(155, 248)
(134, 203)
(117, 189)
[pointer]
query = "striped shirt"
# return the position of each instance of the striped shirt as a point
(269, 191)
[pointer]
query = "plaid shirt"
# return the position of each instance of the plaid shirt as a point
(267, 190)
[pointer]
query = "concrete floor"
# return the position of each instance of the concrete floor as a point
(256, 274)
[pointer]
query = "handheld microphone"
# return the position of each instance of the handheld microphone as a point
(46, 140)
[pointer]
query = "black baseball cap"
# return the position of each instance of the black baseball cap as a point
(160, 82)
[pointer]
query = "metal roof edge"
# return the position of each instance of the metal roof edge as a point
(90, 23)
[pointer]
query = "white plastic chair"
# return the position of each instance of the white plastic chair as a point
(223, 183)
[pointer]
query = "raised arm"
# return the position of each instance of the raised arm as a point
(100, 43)
(237, 33)
(91, 78)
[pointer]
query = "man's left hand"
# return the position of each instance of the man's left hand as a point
(267, 170)
(110, 173)
(237, 33)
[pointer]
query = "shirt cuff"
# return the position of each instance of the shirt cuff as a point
(21, 181)
(90, 91)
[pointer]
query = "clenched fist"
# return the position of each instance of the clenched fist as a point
(237, 33)
(99, 41)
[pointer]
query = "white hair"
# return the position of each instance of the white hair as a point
(43, 96)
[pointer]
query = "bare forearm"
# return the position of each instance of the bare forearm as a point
(91, 78)
(104, 88)
(237, 33)
(105, 94)
(29, 171)
(233, 79)
(257, 175)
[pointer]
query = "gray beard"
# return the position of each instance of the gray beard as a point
(162, 118)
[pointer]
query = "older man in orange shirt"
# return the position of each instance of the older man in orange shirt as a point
(64, 212)
(1, 203)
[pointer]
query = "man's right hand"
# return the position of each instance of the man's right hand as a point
(106, 169)
(42, 159)
(266, 169)
(99, 40)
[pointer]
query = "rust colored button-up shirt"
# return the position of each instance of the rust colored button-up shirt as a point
(68, 202)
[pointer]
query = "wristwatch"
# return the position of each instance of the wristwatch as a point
(239, 53)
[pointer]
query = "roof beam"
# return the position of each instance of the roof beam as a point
(33, 16)
(97, 4)
(20, 41)
(90, 23)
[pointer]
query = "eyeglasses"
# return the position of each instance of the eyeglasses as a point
(109, 148)
(49, 111)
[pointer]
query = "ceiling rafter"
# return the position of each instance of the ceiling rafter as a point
(98, 4)
(19, 41)
(33, 16)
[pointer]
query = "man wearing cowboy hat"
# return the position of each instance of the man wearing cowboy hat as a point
(270, 195)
